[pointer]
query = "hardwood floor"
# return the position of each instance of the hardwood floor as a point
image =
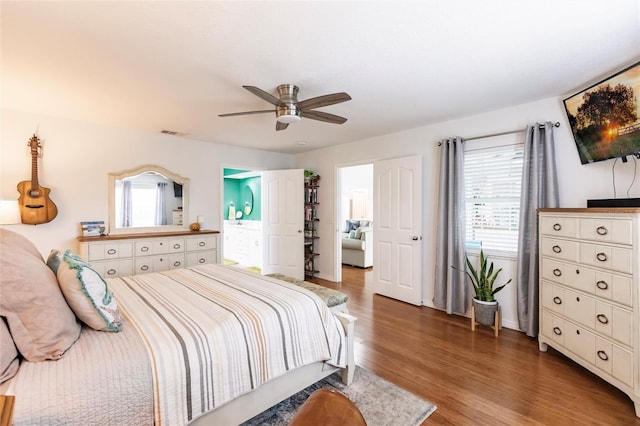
(473, 377)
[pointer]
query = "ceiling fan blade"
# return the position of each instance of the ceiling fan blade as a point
(264, 95)
(323, 116)
(320, 101)
(231, 114)
(281, 126)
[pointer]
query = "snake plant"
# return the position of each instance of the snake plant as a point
(483, 279)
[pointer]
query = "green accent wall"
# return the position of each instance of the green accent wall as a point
(235, 190)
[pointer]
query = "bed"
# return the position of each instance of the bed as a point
(208, 345)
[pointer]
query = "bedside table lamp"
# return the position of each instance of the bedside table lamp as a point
(9, 212)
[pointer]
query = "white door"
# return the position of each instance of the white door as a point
(397, 229)
(283, 222)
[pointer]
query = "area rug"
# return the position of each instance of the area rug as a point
(380, 402)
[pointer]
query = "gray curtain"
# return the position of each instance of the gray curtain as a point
(127, 208)
(539, 190)
(161, 204)
(451, 289)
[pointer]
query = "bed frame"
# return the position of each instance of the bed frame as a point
(269, 394)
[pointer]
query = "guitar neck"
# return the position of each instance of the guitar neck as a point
(34, 171)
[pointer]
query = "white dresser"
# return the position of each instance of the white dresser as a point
(130, 254)
(589, 279)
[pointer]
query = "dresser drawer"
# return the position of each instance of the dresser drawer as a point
(177, 261)
(146, 264)
(202, 257)
(201, 243)
(114, 268)
(606, 230)
(553, 297)
(553, 327)
(554, 270)
(113, 250)
(614, 360)
(144, 247)
(614, 322)
(559, 226)
(608, 257)
(559, 249)
(580, 341)
(613, 287)
(580, 308)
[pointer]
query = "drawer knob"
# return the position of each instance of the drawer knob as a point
(177, 263)
(557, 331)
(556, 249)
(144, 249)
(577, 299)
(202, 260)
(577, 271)
(176, 246)
(602, 285)
(601, 230)
(603, 355)
(557, 227)
(578, 332)
(601, 257)
(111, 272)
(111, 251)
(557, 300)
(144, 268)
(202, 244)
(161, 243)
(557, 272)
(602, 318)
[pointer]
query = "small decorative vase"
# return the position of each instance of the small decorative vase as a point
(195, 226)
(485, 311)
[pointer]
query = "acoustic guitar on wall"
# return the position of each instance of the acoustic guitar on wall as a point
(35, 205)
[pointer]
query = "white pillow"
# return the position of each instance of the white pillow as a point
(86, 291)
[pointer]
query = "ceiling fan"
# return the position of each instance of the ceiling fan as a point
(290, 110)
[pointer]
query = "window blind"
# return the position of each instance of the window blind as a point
(493, 180)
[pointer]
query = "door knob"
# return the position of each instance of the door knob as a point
(416, 238)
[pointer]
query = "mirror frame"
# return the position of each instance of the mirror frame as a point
(151, 229)
(247, 192)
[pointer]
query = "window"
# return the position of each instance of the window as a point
(493, 178)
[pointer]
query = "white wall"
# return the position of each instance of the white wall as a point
(577, 182)
(79, 155)
(356, 178)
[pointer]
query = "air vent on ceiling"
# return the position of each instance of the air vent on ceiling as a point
(172, 133)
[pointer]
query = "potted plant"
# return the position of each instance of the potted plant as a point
(483, 280)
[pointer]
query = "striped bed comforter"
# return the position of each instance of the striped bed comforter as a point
(214, 333)
(192, 340)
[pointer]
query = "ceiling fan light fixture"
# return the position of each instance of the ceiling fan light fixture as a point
(289, 118)
(287, 114)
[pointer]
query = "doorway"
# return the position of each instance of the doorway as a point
(354, 206)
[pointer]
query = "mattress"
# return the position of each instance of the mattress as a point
(193, 339)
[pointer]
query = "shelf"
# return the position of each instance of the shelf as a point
(310, 228)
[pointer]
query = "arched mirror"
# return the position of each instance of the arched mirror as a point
(148, 198)
(247, 197)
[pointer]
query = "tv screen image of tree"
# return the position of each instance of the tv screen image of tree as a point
(605, 118)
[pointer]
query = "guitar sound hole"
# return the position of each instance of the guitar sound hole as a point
(35, 193)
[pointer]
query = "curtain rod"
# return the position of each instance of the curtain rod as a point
(556, 124)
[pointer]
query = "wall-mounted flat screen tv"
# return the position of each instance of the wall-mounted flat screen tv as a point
(605, 118)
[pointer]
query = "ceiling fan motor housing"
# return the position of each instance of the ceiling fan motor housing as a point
(288, 112)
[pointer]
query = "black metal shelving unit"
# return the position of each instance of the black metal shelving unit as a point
(310, 225)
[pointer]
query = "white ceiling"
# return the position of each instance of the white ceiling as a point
(176, 65)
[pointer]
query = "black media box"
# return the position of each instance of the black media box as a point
(614, 202)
